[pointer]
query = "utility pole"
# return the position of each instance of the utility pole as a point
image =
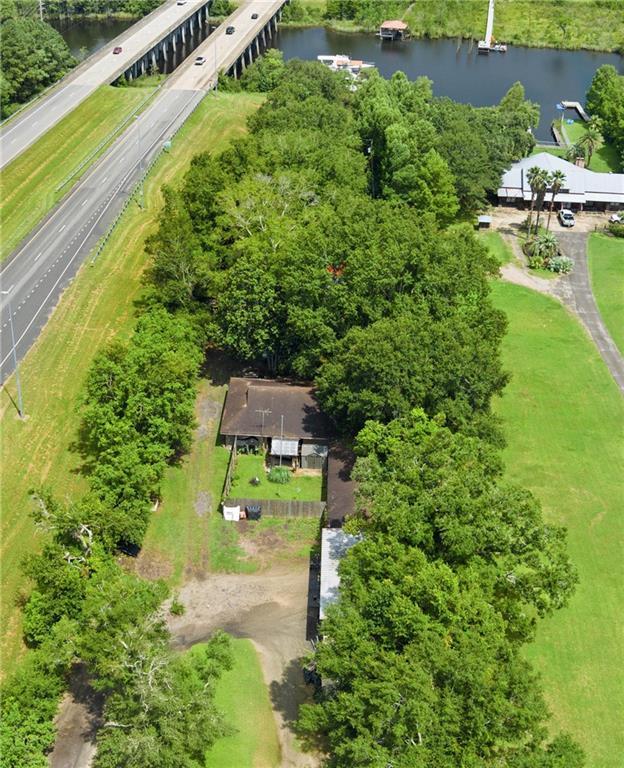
(263, 412)
(40, 10)
(20, 403)
(281, 438)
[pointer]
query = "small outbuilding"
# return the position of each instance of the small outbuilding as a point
(484, 222)
(393, 29)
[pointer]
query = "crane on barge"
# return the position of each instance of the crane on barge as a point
(488, 43)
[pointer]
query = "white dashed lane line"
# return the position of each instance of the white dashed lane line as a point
(62, 228)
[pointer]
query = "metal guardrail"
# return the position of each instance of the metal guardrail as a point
(106, 237)
(108, 139)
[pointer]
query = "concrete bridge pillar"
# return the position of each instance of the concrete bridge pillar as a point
(154, 64)
(263, 33)
(183, 33)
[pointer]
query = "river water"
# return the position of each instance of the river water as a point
(548, 75)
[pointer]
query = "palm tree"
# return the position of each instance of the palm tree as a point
(557, 180)
(590, 141)
(574, 152)
(533, 177)
(545, 247)
(542, 183)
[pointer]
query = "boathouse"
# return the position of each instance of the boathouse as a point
(394, 29)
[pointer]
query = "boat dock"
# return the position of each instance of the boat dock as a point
(578, 107)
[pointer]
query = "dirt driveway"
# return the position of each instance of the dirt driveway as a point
(271, 608)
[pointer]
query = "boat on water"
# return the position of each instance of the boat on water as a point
(342, 63)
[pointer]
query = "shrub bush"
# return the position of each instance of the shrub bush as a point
(560, 264)
(279, 475)
(617, 230)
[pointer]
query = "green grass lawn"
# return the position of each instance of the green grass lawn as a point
(28, 184)
(96, 308)
(300, 487)
(497, 246)
(563, 417)
(606, 269)
(243, 698)
(605, 159)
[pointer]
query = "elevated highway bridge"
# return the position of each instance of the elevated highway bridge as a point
(148, 43)
(36, 273)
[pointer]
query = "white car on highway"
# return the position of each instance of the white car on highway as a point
(200, 61)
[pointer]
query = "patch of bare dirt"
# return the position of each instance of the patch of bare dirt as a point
(274, 609)
(77, 721)
(152, 566)
(203, 503)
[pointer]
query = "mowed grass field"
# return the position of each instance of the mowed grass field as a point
(605, 159)
(564, 417)
(97, 307)
(606, 269)
(243, 698)
(28, 185)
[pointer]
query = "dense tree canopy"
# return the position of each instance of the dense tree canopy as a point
(320, 247)
(34, 55)
(605, 100)
(422, 654)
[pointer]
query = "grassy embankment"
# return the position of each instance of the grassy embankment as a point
(563, 417)
(97, 307)
(28, 185)
(606, 268)
(571, 24)
(243, 699)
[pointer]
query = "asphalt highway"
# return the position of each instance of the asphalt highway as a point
(35, 275)
(100, 68)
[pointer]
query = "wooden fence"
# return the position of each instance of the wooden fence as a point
(282, 508)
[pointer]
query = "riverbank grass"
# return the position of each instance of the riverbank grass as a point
(98, 307)
(562, 416)
(571, 24)
(242, 697)
(606, 269)
(28, 185)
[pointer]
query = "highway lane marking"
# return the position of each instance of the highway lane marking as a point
(37, 257)
(104, 208)
(84, 203)
(46, 103)
(62, 228)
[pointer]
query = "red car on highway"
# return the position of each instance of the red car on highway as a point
(117, 49)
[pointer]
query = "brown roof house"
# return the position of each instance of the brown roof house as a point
(283, 417)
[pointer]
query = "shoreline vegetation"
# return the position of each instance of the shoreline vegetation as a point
(594, 25)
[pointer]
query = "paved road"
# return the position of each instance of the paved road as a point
(576, 291)
(36, 274)
(101, 68)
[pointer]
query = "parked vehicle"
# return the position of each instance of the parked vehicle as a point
(117, 49)
(230, 31)
(616, 218)
(566, 217)
(200, 61)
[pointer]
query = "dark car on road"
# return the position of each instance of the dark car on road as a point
(254, 15)
(117, 49)
(230, 31)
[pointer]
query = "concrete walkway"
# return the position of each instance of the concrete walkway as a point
(576, 292)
